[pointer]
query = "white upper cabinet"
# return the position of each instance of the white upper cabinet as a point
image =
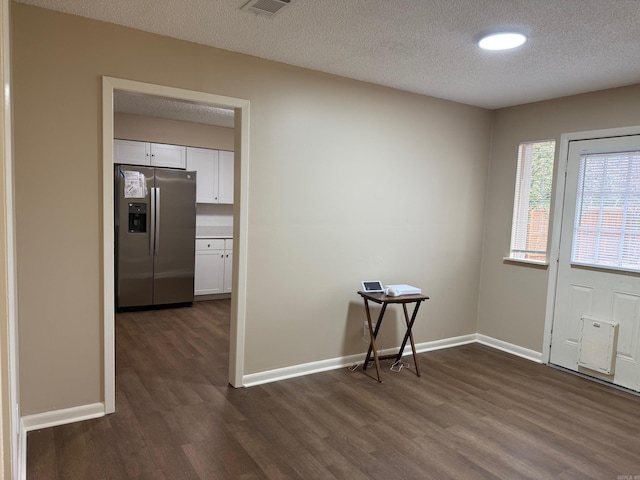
(225, 181)
(150, 154)
(205, 162)
(132, 153)
(172, 156)
(215, 174)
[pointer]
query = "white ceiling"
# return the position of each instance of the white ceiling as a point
(422, 46)
(162, 107)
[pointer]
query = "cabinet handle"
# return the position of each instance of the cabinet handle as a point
(208, 245)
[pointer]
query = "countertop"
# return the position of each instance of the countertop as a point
(214, 232)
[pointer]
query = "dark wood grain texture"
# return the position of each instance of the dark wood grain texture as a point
(476, 413)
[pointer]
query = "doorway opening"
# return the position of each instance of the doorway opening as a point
(240, 107)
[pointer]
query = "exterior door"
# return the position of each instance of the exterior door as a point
(597, 305)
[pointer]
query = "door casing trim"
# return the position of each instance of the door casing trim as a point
(240, 223)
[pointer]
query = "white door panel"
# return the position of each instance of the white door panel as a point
(625, 311)
(608, 293)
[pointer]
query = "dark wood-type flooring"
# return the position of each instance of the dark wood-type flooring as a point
(476, 413)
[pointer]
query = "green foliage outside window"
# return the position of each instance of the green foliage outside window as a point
(542, 175)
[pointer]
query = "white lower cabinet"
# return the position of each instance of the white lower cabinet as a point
(228, 266)
(213, 266)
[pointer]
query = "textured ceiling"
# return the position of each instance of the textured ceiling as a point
(161, 107)
(421, 46)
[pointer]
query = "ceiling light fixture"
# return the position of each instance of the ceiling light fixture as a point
(502, 41)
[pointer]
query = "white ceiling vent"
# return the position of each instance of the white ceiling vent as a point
(265, 7)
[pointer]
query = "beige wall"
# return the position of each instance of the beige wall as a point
(513, 296)
(347, 181)
(160, 130)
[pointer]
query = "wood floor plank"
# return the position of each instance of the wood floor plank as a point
(475, 413)
(44, 463)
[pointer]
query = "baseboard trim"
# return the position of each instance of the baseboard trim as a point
(440, 344)
(510, 348)
(60, 417)
(269, 376)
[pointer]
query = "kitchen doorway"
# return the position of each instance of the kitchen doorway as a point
(240, 107)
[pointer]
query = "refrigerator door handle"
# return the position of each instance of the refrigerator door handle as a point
(152, 227)
(157, 212)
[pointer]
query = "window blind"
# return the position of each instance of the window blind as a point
(607, 222)
(532, 201)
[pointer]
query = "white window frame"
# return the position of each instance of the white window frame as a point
(520, 218)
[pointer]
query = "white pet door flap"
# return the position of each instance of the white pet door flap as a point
(597, 345)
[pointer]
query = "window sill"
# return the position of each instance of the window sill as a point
(537, 263)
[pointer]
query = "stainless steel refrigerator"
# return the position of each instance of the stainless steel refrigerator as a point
(155, 229)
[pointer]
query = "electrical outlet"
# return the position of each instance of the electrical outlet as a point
(366, 328)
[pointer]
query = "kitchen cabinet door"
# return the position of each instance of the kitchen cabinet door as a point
(172, 156)
(131, 152)
(225, 177)
(209, 271)
(205, 162)
(228, 265)
(209, 268)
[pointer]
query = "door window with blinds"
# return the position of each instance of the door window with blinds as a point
(532, 201)
(607, 224)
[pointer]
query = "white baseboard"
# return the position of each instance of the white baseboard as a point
(269, 376)
(440, 344)
(340, 362)
(61, 417)
(510, 348)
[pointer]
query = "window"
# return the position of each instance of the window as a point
(532, 201)
(607, 225)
